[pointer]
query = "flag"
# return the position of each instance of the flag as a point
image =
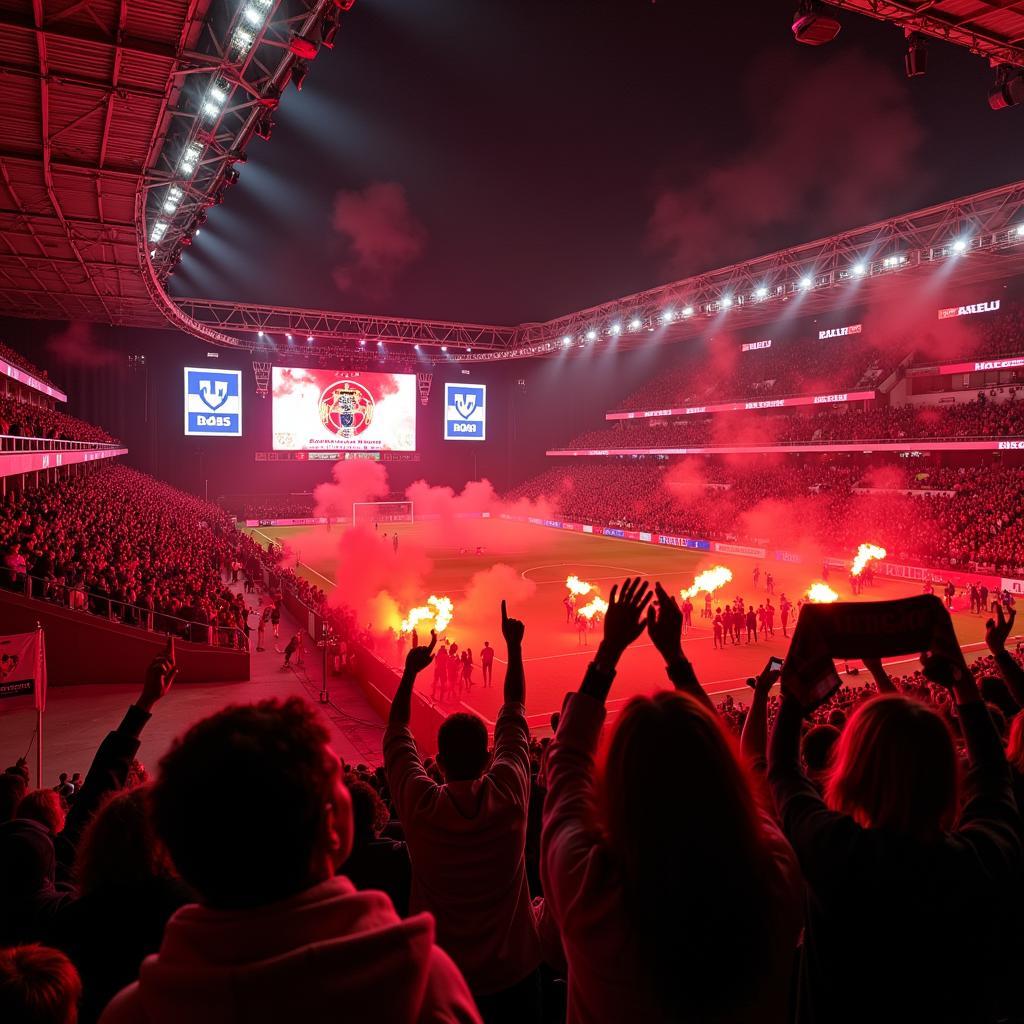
(23, 671)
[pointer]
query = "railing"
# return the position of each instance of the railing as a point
(14, 443)
(78, 598)
(670, 443)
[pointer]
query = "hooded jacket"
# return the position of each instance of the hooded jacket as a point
(329, 953)
(29, 897)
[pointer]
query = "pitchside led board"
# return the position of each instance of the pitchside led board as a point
(213, 402)
(465, 412)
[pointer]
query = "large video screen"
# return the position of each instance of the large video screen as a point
(337, 410)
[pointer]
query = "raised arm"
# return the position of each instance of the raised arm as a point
(623, 623)
(113, 759)
(665, 627)
(754, 738)
(402, 762)
(515, 676)
(416, 661)
(880, 676)
(989, 816)
(996, 632)
(569, 837)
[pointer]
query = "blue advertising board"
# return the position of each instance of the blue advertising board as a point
(213, 402)
(465, 412)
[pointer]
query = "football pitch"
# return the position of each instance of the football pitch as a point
(556, 654)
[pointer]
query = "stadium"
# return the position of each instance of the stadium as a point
(547, 484)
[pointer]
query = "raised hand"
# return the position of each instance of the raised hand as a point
(418, 657)
(511, 629)
(951, 673)
(878, 673)
(159, 677)
(626, 616)
(767, 679)
(998, 629)
(665, 625)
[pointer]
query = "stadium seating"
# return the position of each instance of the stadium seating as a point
(979, 526)
(886, 423)
(22, 419)
(9, 355)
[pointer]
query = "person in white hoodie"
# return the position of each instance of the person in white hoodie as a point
(277, 935)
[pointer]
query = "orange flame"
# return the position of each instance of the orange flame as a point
(436, 614)
(708, 581)
(597, 606)
(578, 587)
(821, 593)
(865, 554)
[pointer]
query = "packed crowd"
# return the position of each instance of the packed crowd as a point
(277, 506)
(998, 335)
(120, 544)
(21, 419)
(698, 373)
(979, 419)
(721, 371)
(9, 355)
(724, 864)
(977, 526)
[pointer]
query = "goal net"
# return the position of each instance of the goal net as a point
(368, 512)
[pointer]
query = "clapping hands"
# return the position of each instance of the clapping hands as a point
(626, 616)
(665, 625)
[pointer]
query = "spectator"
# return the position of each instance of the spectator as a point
(127, 893)
(45, 807)
(12, 789)
(29, 895)
(646, 937)
(888, 867)
(276, 935)
(38, 986)
(467, 837)
(376, 862)
(816, 751)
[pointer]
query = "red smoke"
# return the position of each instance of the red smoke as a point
(351, 481)
(383, 237)
(382, 584)
(813, 155)
(78, 346)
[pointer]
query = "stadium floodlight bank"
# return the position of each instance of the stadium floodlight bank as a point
(382, 512)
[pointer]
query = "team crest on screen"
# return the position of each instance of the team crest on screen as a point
(346, 408)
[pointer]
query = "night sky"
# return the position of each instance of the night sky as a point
(512, 160)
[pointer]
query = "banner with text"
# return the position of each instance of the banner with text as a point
(834, 398)
(22, 671)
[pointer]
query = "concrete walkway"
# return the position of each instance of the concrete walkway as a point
(78, 717)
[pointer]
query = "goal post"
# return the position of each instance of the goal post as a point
(382, 512)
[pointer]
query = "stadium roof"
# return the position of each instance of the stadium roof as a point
(124, 119)
(977, 238)
(993, 29)
(87, 86)
(105, 104)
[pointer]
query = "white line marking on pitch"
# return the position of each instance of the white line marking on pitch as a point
(597, 565)
(330, 583)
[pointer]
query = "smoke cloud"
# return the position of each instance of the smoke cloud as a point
(358, 480)
(383, 584)
(813, 157)
(382, 235)
(78, 346)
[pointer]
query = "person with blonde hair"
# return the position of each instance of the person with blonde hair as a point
(901, 857)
